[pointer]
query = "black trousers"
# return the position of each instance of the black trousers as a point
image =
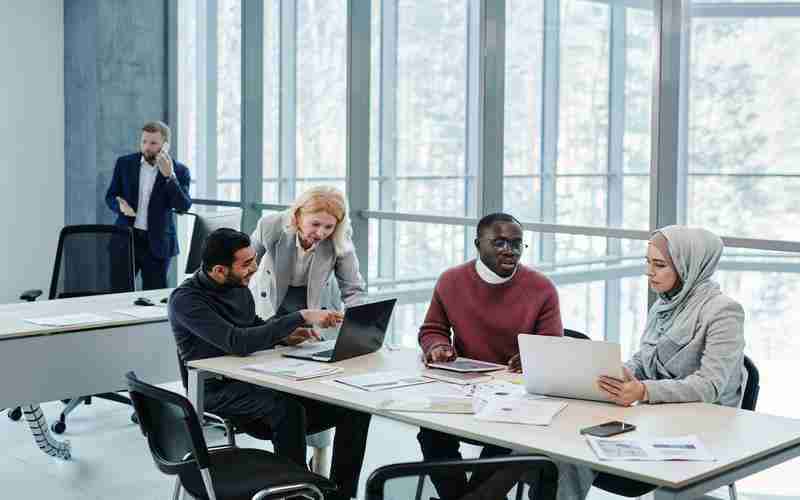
(440, 446)
(153, 269)
(286, 420)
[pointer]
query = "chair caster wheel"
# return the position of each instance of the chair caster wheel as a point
(15, 414)
(58, 427)
(134, 418)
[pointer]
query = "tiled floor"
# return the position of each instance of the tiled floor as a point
(111, 460)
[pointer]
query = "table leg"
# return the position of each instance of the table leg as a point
(41, 433)
(195, 392)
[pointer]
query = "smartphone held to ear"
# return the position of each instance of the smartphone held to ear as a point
(608, 429)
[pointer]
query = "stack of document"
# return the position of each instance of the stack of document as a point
(383, 380)
(520, 410)
(687, 448)
(430, 404)
(293, 369)
(457, 377)
(144, 312)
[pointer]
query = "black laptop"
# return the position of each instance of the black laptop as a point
(362, 332)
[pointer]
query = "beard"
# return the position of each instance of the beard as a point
(234, 280)
(149, 158)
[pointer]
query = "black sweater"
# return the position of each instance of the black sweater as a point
(209, 319)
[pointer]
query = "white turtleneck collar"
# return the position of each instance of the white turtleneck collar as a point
(490, 276)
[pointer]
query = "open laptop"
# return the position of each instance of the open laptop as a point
(362, 332)
(562, 366)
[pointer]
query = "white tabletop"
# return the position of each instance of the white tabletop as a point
(734, 437)
(13, 324)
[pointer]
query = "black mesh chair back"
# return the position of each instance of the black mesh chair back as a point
(171, 427)
(93, 259)
(205, 223)
(512, 477)
(752, 387)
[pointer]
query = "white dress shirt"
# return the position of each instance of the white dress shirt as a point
(147, 178)
(302, 264)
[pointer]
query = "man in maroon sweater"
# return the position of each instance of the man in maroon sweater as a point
(477, 311)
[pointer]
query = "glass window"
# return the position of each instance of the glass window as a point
(577, 112)
(209, 97)
(321, 93)
(423, 105)
(743, 126)
(186, 140)
(229, 100)
(272, 71)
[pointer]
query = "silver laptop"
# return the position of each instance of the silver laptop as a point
(566, 367)
(362, 332)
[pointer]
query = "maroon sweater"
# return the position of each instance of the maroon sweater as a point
(485, 319)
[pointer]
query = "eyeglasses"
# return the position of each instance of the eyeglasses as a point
(499, 244)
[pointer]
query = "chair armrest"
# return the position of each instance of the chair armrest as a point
(30, 295)
(220, 448)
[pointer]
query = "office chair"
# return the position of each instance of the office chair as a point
(631, 488)
(318, 442)
(93, 259)
(206, 223)
(178, 448)
(509, 475)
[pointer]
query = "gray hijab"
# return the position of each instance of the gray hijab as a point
(695, 254)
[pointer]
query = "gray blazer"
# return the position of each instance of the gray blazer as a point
(703, 365)
(275, 243)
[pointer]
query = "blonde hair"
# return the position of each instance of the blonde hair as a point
(326, 199)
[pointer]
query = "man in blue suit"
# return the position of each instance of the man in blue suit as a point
(146, 187)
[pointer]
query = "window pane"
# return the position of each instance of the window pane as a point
(272, 47)
(209, 107)
(321, 90)
(186, 140)
(229, 100)
(766, 283)
(744, 127)
(745, 1)
(523, 108)
(421, 142)
(571, 163)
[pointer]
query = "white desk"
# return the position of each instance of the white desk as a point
(743, 442)
(39, 363)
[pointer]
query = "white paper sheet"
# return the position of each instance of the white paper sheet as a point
(143, 312)
(382, 381)
(293, 369)
(520, 410)
(68, 319)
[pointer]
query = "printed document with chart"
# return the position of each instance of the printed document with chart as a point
(687, 448)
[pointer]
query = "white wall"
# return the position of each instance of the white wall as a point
(31, 142)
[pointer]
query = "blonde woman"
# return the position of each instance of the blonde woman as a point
(303, 248)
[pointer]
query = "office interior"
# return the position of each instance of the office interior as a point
(594, 122)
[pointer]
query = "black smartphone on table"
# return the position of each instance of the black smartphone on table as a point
(608, 429)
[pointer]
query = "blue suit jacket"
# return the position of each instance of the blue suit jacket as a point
(167, 195)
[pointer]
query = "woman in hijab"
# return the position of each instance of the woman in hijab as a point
(692, 348)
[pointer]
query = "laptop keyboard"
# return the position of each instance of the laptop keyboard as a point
(324, 354)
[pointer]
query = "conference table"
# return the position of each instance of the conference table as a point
(742, 442)
(41, 363)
